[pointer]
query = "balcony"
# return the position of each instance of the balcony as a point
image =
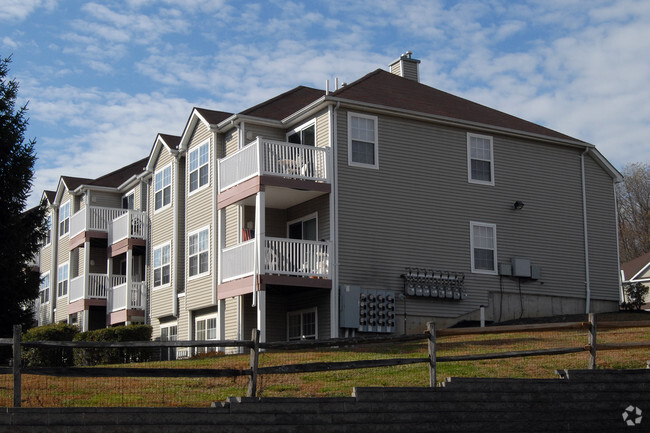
(120, 299)
(281, 256)
(275, 158)
(92, 286)
(93, 218)
(131, 224)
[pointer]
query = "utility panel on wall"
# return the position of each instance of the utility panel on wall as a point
(367, 310)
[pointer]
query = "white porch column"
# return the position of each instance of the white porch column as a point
(260, 255)
(109, 289)
(86, 276)
(129, 281)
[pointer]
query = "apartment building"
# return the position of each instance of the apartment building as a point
(371, 208)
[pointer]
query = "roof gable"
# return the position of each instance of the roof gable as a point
(285, 104)
(205, 116)
(170, 142)
(385, 89)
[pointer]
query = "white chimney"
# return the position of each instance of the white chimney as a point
(406, 67)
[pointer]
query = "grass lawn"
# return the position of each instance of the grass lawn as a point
(46, 391)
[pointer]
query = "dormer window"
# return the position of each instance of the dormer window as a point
(199, 161)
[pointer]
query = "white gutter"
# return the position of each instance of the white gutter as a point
(584, 222)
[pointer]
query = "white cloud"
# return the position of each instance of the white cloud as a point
(18, 10)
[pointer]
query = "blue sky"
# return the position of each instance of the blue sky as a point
(103, 78)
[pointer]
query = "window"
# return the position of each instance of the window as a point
(169, 333)
(304, 229)
(163, 188)
(64, 219)
(480, 159)
(44, 291)
(198, 252)
(128, 201)
(206, 329)
(305, 134)
(62, 280)
(363, 149)
(47, 238)
(302, 325)
(199, 166)
(161, 265)
(483, 239)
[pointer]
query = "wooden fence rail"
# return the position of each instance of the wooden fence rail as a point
(255, 347)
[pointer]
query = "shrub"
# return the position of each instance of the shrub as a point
(85, 357)
(50, 357)
(635, 294)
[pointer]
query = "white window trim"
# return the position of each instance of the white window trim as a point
(361, 164)
(473, 224)
(48, 216)
(167, 326)
(469, 159)
(61, 234)
(300, 128)
(311, 216)
(58, 280)
(46, 277)
(171, 189)
(301, 312)
(198, 150)
(205, 318)
(196, 232)
(157, 247)
(130, 193)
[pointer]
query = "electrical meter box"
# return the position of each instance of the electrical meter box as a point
(349, 306)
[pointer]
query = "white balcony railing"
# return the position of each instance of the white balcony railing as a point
(93, 218)
(281, 256)
(274, 158)
(94, 287)
(131, 224)
(117, 297)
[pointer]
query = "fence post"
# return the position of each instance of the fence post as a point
(592, 341)
(17, 361)
(431, 328)
(255, 355)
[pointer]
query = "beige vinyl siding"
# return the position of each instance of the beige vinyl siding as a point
(63, 250)
(602, 226)
(179, 208)
(162, 231)
(323, 129)
(231, 141)
(80, 259)
(184, 318)
(105, 199)
(267, 132)
(232, 225)
(231, 324)
(415, 211)
(198, 214)
(46, 258)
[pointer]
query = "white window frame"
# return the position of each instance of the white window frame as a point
(167, 327)
(65, 283)
(162, 190)
(197, 151)
(472, 226)
(311, 216)
(375, 143)
(65, 221)
(301, 313)
(126, 196)
(45, 287)
(198, 253)
(301, 128)
(470, 179)
(205, 319)
(154, 267)
(48, 230)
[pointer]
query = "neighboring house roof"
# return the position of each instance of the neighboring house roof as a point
(634, 269)
(118, 177)
(285, 104)
(383, 88)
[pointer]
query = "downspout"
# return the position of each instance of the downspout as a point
(54, 271)
(335, 218)
(586, 235)
(175, 180)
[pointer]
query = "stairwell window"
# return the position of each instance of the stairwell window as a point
(63, 275)
(199, 161)
(163, 188)
(64, 219)
(162, 265)
(198, 244)
(480, 159)
(302, 325)
(483, 240)
(363, 148)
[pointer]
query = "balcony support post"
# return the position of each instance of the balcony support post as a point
(109, 289)
(259, 267)
(129, 281)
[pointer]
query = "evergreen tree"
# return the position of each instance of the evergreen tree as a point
(21, 230)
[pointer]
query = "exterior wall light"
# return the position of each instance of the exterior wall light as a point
(518, 205)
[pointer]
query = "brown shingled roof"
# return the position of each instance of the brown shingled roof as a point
(211, 116)
(172, 140)
(390, 90)
(285, 104)
(73, 182)
(121, 175)
(633, 267)
(50, 195)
